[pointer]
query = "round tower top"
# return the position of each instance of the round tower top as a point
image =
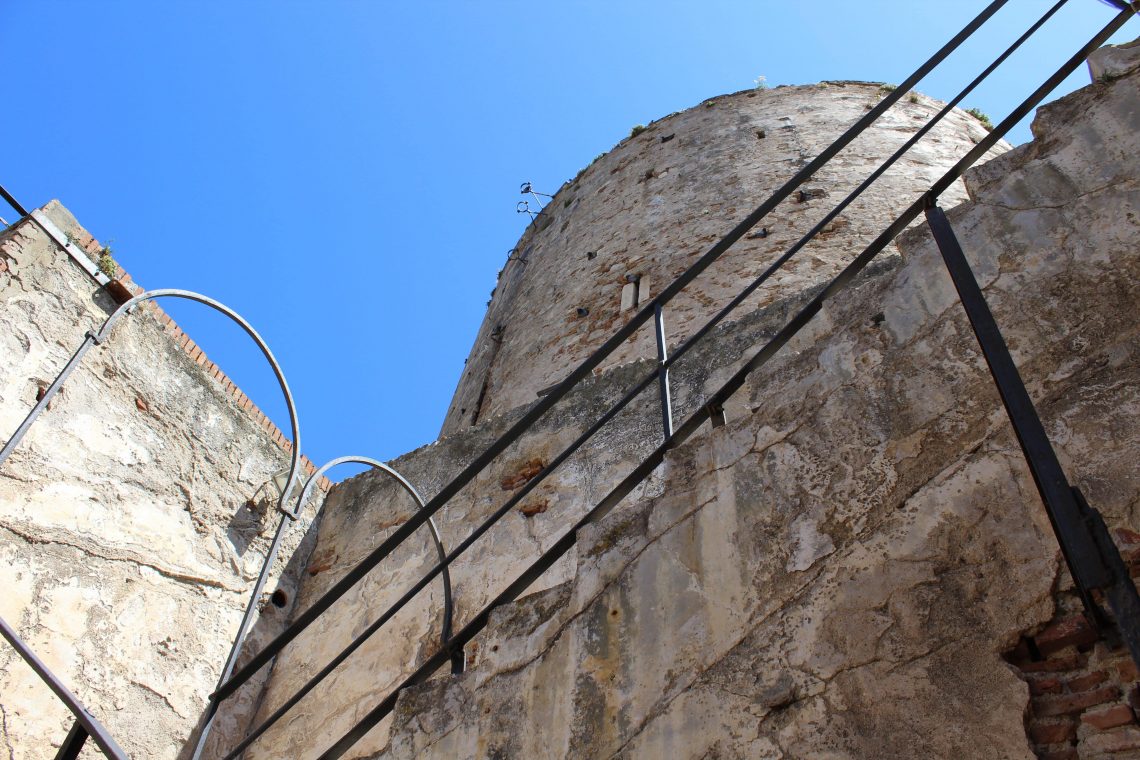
(641, 214)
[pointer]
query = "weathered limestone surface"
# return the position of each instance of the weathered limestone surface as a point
(361, 513)
(837, 573)
(127, 543)
(650, 207)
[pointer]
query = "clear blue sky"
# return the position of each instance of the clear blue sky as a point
(345, 174)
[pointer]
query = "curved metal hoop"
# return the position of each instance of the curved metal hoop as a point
(448, 608)
(95, 338)
(189, 295)
(457, 658)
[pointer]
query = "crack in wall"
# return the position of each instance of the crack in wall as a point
(193, 581)
(7, 736)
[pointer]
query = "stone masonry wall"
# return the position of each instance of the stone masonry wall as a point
(855, 567)
(641, 214)
(133, 516)
(361, 512)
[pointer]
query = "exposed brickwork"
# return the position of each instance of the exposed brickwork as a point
(123, 288)
(1083, 691)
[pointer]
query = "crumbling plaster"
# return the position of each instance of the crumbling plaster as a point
(133, 518)
(838, 573)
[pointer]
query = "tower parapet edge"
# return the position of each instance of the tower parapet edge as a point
(639, 215)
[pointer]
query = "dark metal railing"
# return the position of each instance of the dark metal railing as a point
(96, 338)
(85, 725)
(457, 659)
(712, 407)
(1071, 519)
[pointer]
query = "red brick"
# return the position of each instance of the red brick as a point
(1071, 631)
(1045, 686)
(1084, 683)
(1068, 704)
(1052, 733)
(1070, 661)
(1116, 740)
(1109, 717)
(1128, 541)
(1127, 670)
(1134, 697)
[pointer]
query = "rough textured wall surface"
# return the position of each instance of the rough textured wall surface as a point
(360, 513)
(838, 573)
(127, 536)
(649, 208)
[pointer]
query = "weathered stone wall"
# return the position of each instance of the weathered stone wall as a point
(360, 513)
(649, 208)
(127, 533)
(839, 572)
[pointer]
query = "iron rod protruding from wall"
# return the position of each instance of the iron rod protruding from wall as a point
(663, 372)
(1093, 560)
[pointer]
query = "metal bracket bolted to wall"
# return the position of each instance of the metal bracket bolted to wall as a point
(1093, 559)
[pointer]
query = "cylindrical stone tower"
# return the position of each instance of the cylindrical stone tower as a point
(644, 212)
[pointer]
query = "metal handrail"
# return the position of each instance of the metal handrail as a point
(88, 725)
(453, 644)
(97, 338)
(11, 201)
(717, 401)
(448, 607)
(584, 370)
(479, 621)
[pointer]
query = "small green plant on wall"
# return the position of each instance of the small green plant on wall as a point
(106, 262)
(981, 116)
(637, 130)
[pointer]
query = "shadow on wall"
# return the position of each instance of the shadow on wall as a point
(276, 609)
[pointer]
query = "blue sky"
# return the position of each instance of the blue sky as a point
(345, 174)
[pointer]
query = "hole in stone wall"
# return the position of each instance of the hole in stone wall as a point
(279, 598)
(582, 311)
(761, 134)
(760, 233)
(591, 255)
(667, 138)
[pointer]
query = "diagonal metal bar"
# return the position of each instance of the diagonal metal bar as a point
(730, 387)
(445, 635)
(718, 399)
(90, 725)
(772, 268)
(1091, 561)
(483, 527)
(1079, 548)
(595, 359)
(12, 202)
(14, 440)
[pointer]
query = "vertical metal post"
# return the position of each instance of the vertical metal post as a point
(74, 742)
(1093, 559)
(663, 373)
